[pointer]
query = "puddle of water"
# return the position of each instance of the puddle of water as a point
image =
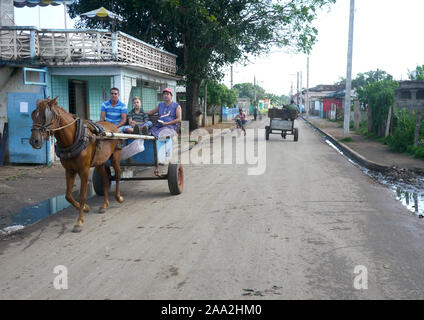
(413, 201)
(407, 194)
(36, 212)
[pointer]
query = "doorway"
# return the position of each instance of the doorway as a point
(78, 98)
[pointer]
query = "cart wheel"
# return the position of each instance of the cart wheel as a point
(98, 183)
(267, 133)
(175, 178)
(296, 134)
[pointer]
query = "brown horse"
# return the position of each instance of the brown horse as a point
(79, 150)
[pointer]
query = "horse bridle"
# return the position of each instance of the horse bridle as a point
(45, 127)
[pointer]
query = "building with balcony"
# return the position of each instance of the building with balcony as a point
(78, 66)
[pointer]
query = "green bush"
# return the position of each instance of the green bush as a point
(363, 128)
(402, 139)
(380, 96)
(403, 135)
(419, 152)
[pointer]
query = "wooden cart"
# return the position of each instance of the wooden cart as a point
(157, 153)
(282, 121)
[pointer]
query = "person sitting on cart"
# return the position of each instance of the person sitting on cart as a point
(292, 106)
(241, 119)
(169, 116)
(138, 120)
(113, 110)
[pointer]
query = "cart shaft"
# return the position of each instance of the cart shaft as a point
(118, 135)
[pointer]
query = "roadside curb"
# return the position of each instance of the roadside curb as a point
(351, 153)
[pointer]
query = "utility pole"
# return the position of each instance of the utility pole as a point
(205, 95)
(291, 75)
(349, 70)
(297, 89)
(231, 76)
(64, 11)
(307, 88)
(254, 88)
(300, 91)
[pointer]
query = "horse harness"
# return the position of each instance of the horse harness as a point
(97, 130)
(82, 137)
(81, 140)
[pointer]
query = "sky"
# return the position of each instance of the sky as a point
(387, 36)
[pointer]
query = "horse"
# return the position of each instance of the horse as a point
(78, 149)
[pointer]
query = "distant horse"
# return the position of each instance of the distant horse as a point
(78, 149)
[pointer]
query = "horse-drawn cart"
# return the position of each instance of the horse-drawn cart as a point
(282, 120)
(157, 153)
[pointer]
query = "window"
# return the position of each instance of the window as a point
(420, 95)
(405, 94)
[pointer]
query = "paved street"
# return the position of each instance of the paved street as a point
(295, 232)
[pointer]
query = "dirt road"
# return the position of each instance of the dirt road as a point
(299, 231)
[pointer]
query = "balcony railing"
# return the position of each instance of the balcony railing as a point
(50, 46)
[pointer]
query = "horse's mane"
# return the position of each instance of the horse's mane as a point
(56, 105)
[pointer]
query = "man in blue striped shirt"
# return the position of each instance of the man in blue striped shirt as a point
(113, 110)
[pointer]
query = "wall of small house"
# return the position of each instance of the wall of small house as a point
(130, 82)
(148, 87)
(149, 92)
(97, 90)
(12, 80)
(149, 98)
(328, 102)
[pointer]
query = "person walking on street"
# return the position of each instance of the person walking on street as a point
(113, 110)
(241, 119)
(255, 112)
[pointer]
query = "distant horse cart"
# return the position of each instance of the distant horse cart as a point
(282, 121)
(82, 144)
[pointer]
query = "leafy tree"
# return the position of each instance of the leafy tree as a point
(418, 74)
(362, 80)
(210, 34)
(278, 100)
(380, 96)
(229, 97)
(247, 90)
(218, 96)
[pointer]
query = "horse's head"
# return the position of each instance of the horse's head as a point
(44, 118)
